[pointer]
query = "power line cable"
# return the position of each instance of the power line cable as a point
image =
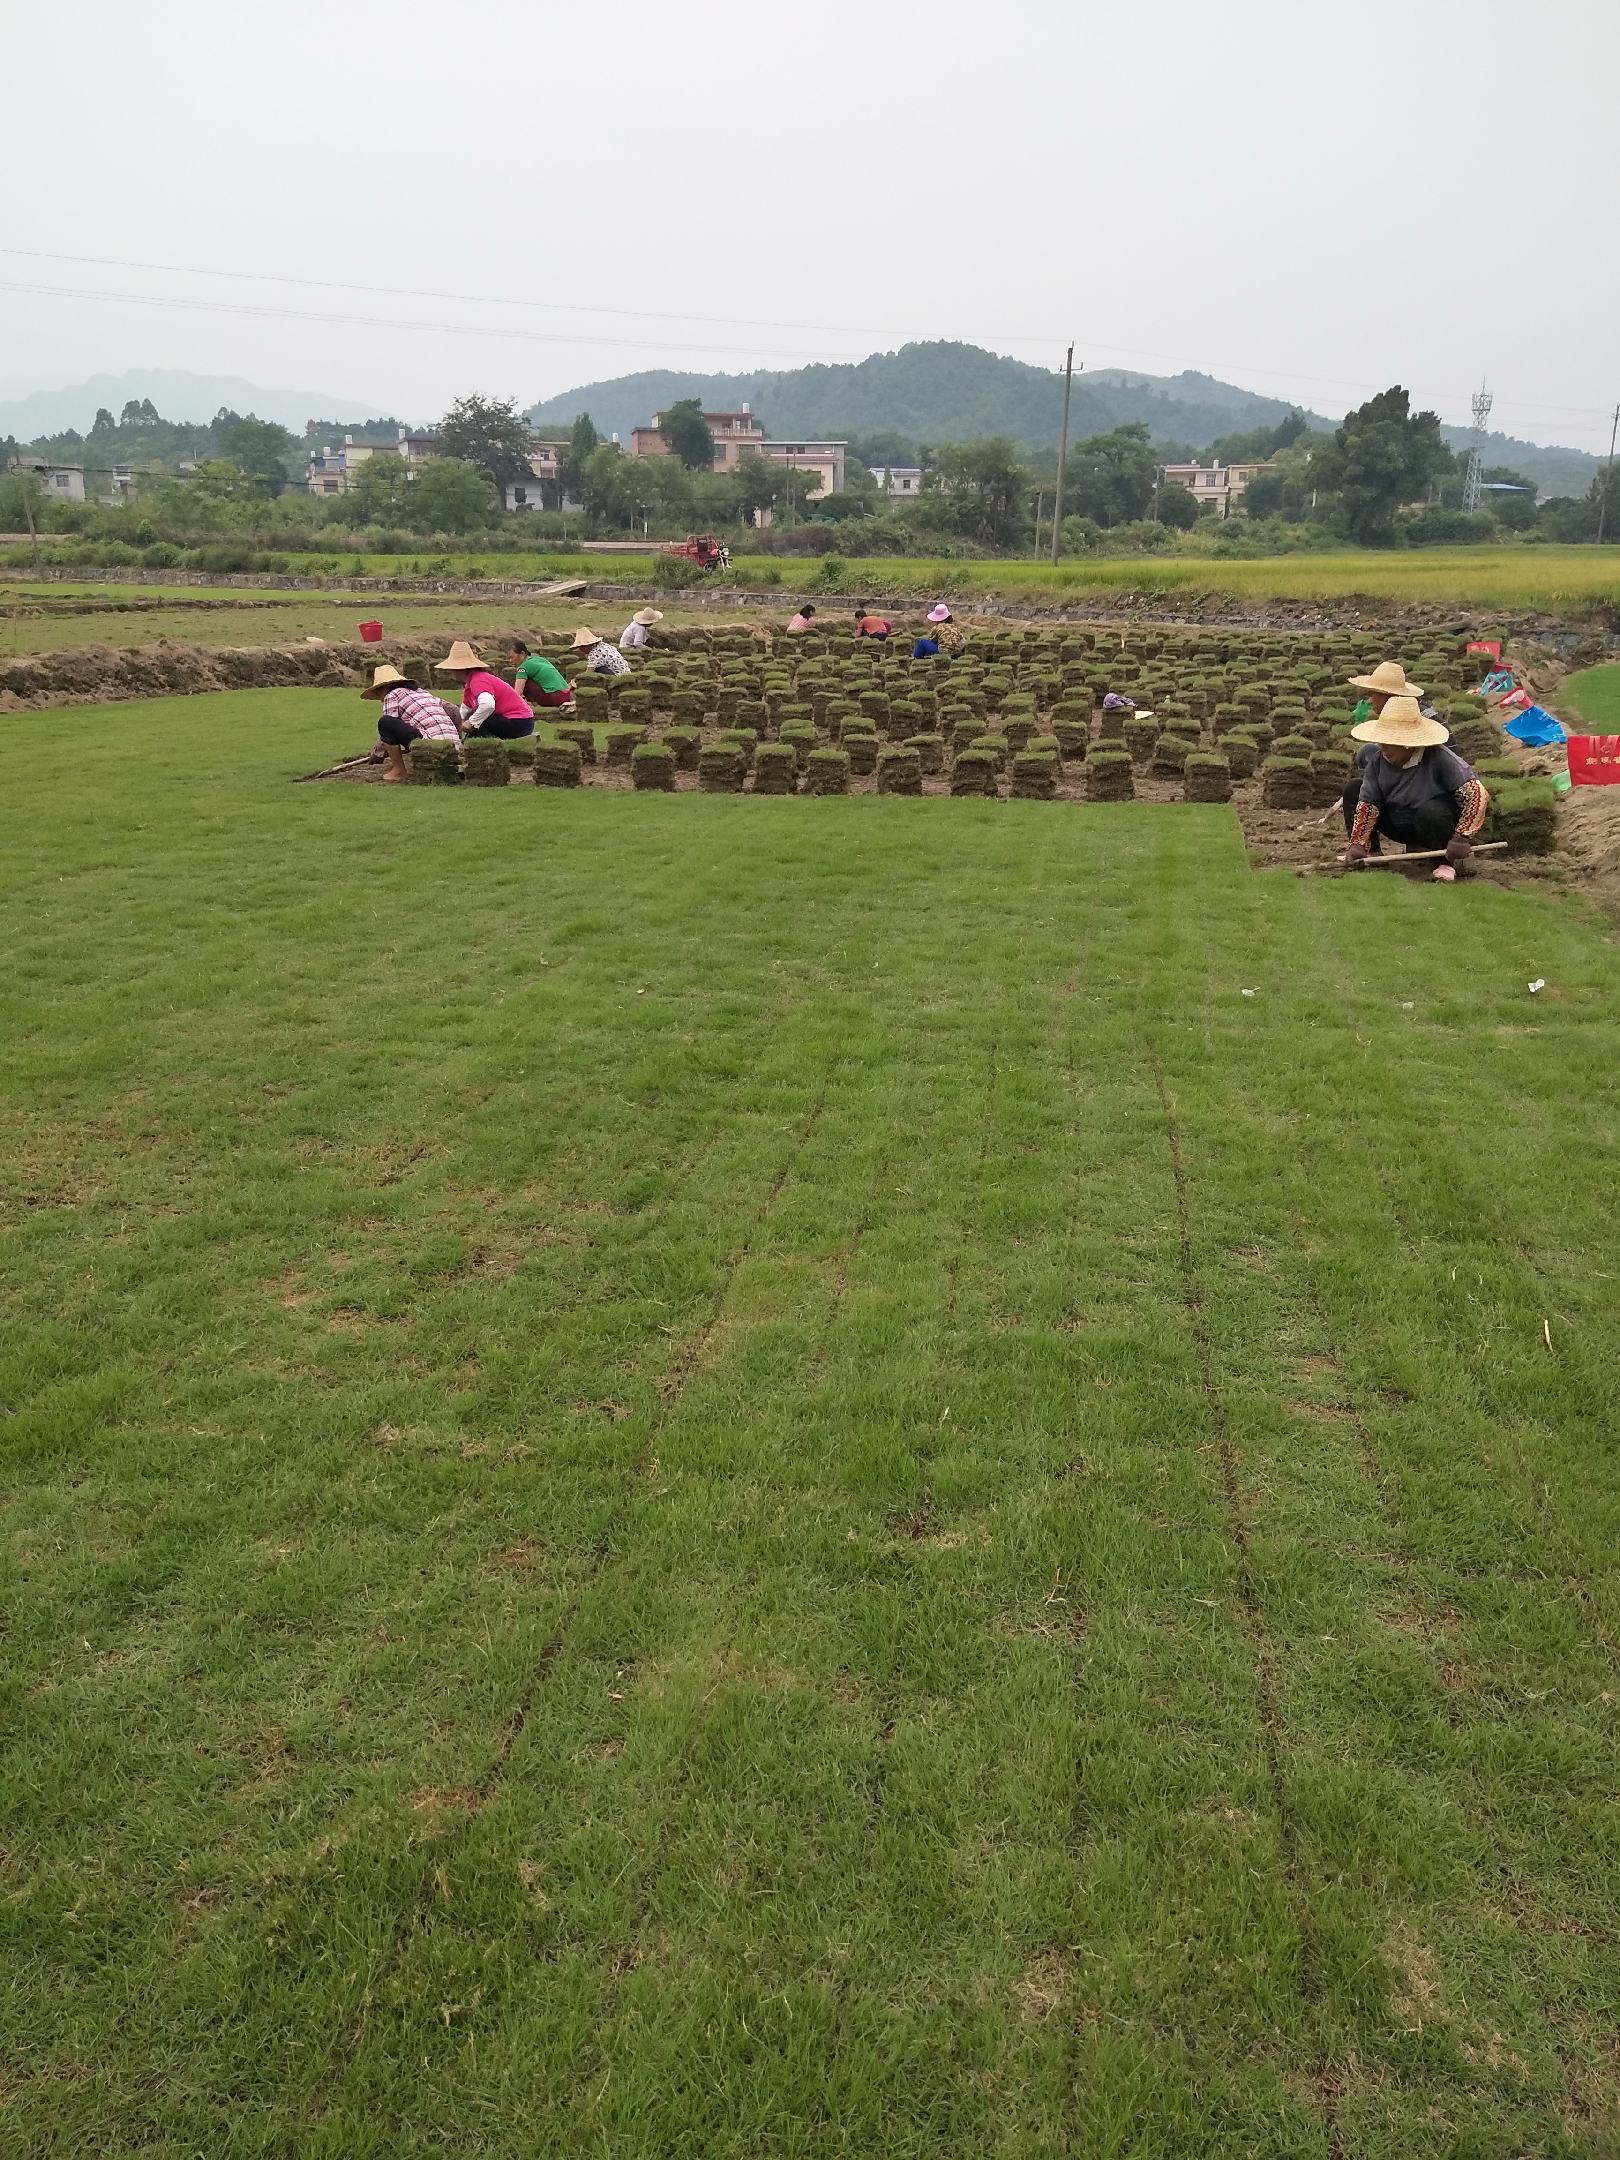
(504, 300)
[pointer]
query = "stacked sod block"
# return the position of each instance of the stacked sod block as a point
(619, 743)
(930, 751)
(995, 746)
(1286, 783)
(1170, 755)
(799, 736)
(652, 765)
(520, 756)
(557, 764)
(1207, 777)
(720, 768)
(683, 745)
(860, 753)
(1330, 775)
(826, 772)
(1073, 737)
(776, 768)
(899, 770)
(1034, 776)
(1140, 737)
(1110, 775)
(486, 762)
(583, 739)
(976, 771)
(1242, 755)
(1524, 813)
(434, 764)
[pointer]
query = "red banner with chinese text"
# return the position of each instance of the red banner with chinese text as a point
(1594, 760)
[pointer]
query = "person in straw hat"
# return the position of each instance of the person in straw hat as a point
(1387, 680)
(634, 634)
(489, 706)
(408, 715)
(1411, 788)
(600, 657)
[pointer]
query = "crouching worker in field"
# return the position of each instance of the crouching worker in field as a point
(408, 715)
(534, 677)
(488, 705)
(600, 657)
(1410, 787)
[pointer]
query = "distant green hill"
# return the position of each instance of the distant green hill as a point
(942, 392)
(932, 393)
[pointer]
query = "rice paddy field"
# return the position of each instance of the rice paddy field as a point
(743, 1477)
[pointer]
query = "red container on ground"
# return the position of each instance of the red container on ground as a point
(371, 632)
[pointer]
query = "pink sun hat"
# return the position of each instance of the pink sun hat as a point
(939, 614)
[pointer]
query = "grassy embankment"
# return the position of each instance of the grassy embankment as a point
(741, 1476)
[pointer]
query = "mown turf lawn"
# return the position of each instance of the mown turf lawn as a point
(1593, 699)
(721, 1477)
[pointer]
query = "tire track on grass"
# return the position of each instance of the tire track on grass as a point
(1325, 2075)
(669, 1388)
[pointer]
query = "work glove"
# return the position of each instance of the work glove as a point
(1458, 849)
(1355, 853)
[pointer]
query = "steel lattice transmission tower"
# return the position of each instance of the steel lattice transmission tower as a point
(1474, 476)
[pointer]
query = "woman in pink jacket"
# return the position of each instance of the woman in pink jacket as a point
(489, 704)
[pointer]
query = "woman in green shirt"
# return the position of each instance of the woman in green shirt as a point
(535, 678)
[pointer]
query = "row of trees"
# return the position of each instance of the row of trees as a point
(1355, 483)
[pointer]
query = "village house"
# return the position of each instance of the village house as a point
(1221, 486)
(328, 471)
(900, 483)
(61, 483)
(545, 464)
(739, 434)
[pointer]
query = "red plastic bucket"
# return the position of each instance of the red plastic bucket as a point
(371, 632)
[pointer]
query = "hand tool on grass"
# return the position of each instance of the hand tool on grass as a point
(1336, 868)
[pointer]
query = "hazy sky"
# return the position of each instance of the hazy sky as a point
(1310, 198)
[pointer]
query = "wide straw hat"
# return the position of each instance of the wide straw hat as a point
(939, 614)
(648, 615)
(586, 638)
(383, 679)
(1388, 679)
(1402, 721)
(460, 655)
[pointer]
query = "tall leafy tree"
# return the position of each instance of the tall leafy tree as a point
(979, 489)
(685, 430)
(1176, 506)
(1383, 455)
(1112, 477)
(261, 449)
(491, 434)
(449, 495)
(583, 442)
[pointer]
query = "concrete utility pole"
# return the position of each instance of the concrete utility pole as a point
(1063, 457)
(1608, 478)
(1040, 506)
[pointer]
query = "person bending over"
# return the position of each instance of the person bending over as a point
(1410, 787)
(536, 678)
(600, 657)
(489, 706)
(805, 619)
(868, 625)
(409, 714)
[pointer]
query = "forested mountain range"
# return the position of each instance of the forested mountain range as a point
(944, 392)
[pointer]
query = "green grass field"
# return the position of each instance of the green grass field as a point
(1593, 697)
(689, 1475)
